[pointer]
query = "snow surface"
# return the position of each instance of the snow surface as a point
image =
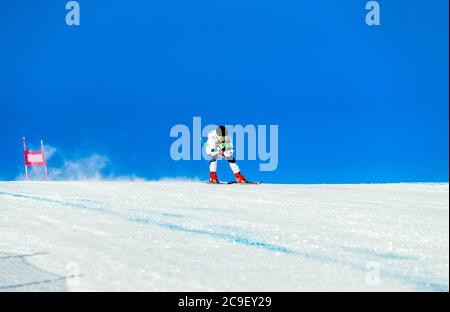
(191, 236)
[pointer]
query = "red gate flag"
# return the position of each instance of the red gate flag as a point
(34, 158)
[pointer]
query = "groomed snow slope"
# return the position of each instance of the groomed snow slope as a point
(191, 236)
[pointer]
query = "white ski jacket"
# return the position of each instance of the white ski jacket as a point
(215, 148)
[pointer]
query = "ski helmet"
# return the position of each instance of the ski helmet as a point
(221, 131)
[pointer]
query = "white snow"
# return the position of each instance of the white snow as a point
(191, 236)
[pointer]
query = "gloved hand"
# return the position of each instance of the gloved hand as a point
(228, 154)
(216, 153)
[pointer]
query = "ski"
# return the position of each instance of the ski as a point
(235, 182)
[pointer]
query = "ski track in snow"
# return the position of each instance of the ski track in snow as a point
(265, 220)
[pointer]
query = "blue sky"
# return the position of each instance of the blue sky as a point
(353, 103)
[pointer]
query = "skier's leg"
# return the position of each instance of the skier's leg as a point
(212, 170)
(235, 168)
(233, 165)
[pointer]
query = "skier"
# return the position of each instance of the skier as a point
(219, 145)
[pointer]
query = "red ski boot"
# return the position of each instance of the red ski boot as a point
(240, 178)
(213, 177)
